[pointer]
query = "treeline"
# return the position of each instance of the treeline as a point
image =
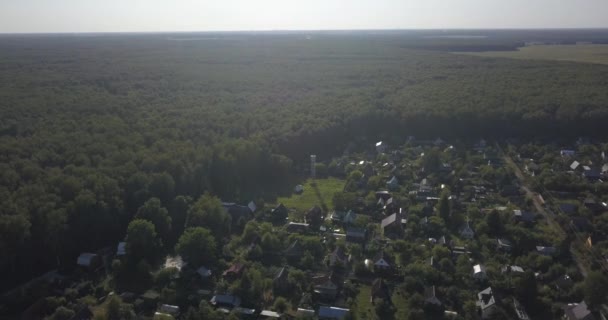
(93, 127)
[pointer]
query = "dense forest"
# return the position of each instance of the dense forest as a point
(92, 127)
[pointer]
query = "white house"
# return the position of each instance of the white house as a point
(479, 272)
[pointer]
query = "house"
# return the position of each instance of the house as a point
(356, 235)
(382, 261)
(296, 227)
(331, 313)
(280, 282)
(546, 251)
(568, 208)
(564, 283)
(204, 272)
(280, 212)
(487, 303)
(524, 216)
(520, 312)
(479, 272)
(592, 174)
(391, 225)
(512, 269)
(380, 147)
(267, 314)
(169, 309)
(295, 250)
(578, 311)
(567, 153)
(238, 213)
(581, 224)
(466, 232)
(327, 286)
(393, 183)
(225, 300)
(337, 258)
(121, 249)
(593, 205)
(305, 313)
(383, 195)
(298, 189)
(235, 271)
(574, 165)
(314, 216)
(350, 217)
(89, 260)
(430, 296)
(503, 245)
(380, 291)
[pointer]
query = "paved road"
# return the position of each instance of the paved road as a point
(541, 209)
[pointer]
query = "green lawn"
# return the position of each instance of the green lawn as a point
(591, 53)
(316, 192)
(365, 310)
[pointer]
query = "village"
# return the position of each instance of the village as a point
(421, 230)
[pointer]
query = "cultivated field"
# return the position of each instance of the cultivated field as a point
(592, 53)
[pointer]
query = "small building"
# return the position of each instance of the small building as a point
(169, 309)
(356, 235)
(296, 227)
(204, 272)
(280, 281)
(382, 261)
(235, 271)
(568, 208)
(121, 249)
(314, 216)
(430, 296)
(546, 251)
(267, 314)
(331, 313)
(337, 258)
(511, 269)
(479, 272)
(327, 286)
(520, 312)
(380, 290)
(237, 212)
(295, 250)
(299, 189)
(524, 216)
(578, 311)
(393, 183)
(305, 313)
(225, 300)
(350, 217)
(391, 225)
(567, 153)
(503, 245)
(487, 303)
(89, 260)
(466, 232)
(280, 212)
(380, 147)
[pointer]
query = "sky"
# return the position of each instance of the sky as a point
(35, 16)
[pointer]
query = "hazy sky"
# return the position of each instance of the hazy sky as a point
(202, 15)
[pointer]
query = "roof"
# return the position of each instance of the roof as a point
(519, 310)
(226, 299)
(382, 255)
(121, 249)
(281, 274)
(388, 220)
(235, 268)
(512, 269)
(203, 272)
(350, 217)
(574, 165)
(270, 314)
(356, 232)
(546, 250)
(86, 259)
(578, 311)
(332, 312)
(486, 298)
(524, 215)
(478, 268)
(380, 290)
(294, 249)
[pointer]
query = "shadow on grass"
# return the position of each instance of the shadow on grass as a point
(319, 196)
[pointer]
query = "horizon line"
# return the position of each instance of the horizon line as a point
(307, 30)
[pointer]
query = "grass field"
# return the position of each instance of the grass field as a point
(318, 192)
(365, 310)
(592, 53)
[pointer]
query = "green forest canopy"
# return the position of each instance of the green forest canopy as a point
(93, 127)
